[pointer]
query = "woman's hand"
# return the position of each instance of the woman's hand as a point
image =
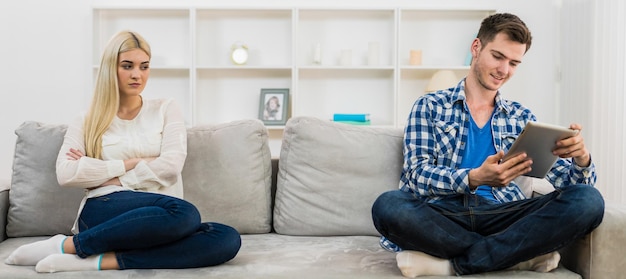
(131, 163)
(113, 181)
(74, 154)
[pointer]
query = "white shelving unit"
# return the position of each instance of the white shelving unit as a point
(191, 57)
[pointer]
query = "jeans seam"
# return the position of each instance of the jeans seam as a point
(120, 261)
(77, 247)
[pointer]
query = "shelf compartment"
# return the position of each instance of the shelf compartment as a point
(443, 36)
(224, 95)
(337, 30)
(267, 34)
(412, 85)
(321, 93)
(171, 83)
(167, 31)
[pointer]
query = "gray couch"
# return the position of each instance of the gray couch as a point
(307, 217)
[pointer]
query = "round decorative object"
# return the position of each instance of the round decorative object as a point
(239, 53)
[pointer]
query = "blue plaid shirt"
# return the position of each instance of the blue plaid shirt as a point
(434, 141)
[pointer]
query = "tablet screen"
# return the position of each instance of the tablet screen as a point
(538, 140)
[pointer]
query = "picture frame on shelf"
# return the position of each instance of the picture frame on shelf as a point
(274, 105)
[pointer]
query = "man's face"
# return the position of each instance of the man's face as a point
(496, 62)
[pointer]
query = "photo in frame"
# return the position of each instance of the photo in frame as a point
(274, 105)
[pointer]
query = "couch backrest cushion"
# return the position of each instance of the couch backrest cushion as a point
(227, 174)
(331, 173)
(37, 204)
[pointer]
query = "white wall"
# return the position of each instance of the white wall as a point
(46, 48)
(594, 84)
(45, 70)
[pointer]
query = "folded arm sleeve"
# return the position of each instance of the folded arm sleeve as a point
(165, 170)
(86, 172)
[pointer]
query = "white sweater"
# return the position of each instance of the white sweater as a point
(158, 130)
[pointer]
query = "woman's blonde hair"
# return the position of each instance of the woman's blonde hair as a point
(106, 98)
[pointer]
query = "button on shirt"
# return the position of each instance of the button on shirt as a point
(435, 138)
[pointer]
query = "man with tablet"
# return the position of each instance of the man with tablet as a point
(459, 210)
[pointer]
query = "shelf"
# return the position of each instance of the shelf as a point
(343, 68)
(434, 68)
(243, 67)
(191, 47)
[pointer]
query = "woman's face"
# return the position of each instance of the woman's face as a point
(132, 72)
(273, 103)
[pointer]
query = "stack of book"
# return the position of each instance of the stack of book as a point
(354, 119)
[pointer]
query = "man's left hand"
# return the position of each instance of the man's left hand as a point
(574, 147)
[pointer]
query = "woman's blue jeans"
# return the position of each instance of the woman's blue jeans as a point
(479, 236)
(148, 230)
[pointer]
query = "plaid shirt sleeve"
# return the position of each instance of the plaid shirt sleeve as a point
(430, 149)
(565, 172)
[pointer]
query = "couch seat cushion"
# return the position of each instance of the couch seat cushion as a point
(278, 256)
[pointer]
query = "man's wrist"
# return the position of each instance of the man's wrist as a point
(470, 181)
(583, 162)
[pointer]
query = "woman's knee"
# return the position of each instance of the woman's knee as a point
(223, 241)
(233, 239)
(185, 215)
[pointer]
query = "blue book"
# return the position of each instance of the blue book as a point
(361, 117)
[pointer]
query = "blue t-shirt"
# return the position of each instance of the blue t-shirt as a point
(479, 146)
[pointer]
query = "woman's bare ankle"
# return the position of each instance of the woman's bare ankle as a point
(68, 245)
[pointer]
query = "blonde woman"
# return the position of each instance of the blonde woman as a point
(128, 153)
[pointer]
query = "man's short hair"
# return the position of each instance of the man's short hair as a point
(506, 23)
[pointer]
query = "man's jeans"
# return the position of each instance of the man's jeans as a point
(147, 230)
(478, 236)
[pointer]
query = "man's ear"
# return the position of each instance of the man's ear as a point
(476, 46)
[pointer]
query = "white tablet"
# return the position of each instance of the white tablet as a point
(538, 140)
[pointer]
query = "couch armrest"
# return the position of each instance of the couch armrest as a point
(601, 253)
(4, 209)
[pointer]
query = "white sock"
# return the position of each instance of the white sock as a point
(30, 254)
(543, 263)
(414, 263)
(68, 262)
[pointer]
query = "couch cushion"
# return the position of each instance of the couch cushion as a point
(227, 174)
(276, 256)
(331, 173)
(37, 204)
